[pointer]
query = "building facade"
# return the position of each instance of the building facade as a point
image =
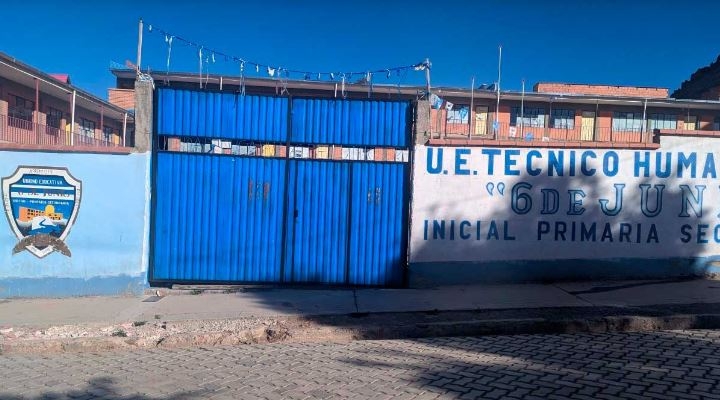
(37, 108)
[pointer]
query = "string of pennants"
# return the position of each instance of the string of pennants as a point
(207, 55)
(438, 103)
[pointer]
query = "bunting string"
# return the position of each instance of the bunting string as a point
(281, 73)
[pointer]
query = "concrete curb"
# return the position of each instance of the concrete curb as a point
(306, 329)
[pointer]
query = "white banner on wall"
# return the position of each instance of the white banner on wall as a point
(494, 204)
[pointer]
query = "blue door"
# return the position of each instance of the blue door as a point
(317, 220)
(378, 237)
(217, 218)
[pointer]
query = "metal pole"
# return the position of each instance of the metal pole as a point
(497, 106)
(139, 48)
(36, 117)
(72, 120)
(522, 110)
(124, 129)
(644, 123)
(470, 114)
(102, 122)
(427, 75)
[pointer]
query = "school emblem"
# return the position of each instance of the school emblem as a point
(41, 205)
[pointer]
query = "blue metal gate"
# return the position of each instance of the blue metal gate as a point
(230, 207)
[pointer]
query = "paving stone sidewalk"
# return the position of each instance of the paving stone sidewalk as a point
(656, 365)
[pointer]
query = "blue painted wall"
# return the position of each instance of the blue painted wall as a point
(108, 240)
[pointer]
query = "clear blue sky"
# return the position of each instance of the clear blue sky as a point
(646, 43)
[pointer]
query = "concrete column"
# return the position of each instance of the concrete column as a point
(143, 115)
(40, 128)
(422, 121)
(3, 120)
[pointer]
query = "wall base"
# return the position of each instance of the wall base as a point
(429, 274)
(69, 287)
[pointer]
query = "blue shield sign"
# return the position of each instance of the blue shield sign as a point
(41, 204)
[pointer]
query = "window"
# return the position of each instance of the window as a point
(716, 123)
(87, 127)
(458, 115)
(562, 119)
(627, 122)
(20, 111)
(662, 121)
(108, 133)
(53, 117)
(531, 116)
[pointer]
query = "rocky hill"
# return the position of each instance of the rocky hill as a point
(700, 82)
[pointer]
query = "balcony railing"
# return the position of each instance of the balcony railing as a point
(470, 129)
(22, 131)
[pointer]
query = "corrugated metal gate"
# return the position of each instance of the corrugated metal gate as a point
(251, 189)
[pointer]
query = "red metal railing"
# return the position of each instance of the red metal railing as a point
(22, 131)
(473, 128)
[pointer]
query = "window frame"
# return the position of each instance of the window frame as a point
(51, 117)
(566, 115)
(532, 117)
(668, 121)
(85, 129)
(621, 124)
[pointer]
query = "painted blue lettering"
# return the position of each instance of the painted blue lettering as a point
(560, 228)
(690, 200)
(510, 162)
(516, 197)
(587, 233)
(607, 234)
(493, 231)
(618, 201)
(584, 163)
(701, 232)
(506, 232)
(644, 199)
(687, 162)
(643, 163)
(551, 201)
(543, 229)
(452, 229)
(530, 170)
(572, 163)
(491, 153)
(611, 163)
(463, 225)
(460, 161)
(438, 229)
(625, 230)
(659, 171)
(556, 162)
(685, 231)
(653, 235)
(576, 196)
(709, 170)
(425, 231)
(437, 167)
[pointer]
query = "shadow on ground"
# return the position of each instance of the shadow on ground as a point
(100, 388)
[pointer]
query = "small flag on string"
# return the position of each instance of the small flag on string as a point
(448, 105)
(436, 101)
(271, 71)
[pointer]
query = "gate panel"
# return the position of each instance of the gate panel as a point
(317, 222)
(378, 236)
(193, 113)
(218, 218)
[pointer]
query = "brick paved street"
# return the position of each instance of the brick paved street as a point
(660, 365)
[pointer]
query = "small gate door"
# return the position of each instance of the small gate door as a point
(378, 238)
(316, 245)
